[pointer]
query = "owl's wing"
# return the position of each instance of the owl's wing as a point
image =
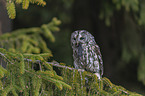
(97, 51)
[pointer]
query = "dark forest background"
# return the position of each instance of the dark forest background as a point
(117, 25)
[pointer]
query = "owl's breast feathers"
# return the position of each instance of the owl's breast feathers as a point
(88, 58)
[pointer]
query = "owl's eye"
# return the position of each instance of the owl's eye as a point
(74, 38)
(82, 38)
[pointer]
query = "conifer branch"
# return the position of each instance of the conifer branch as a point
(3, 55)
(68, 76)
(10, 5)
(55, 63)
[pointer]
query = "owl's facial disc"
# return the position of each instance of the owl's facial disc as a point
(79, 37)
(79, 41)
(82, 39)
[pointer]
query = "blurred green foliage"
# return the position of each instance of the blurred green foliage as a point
(132, 6)
(131, 33)
(29, 40)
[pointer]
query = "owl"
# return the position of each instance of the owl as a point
(86, 53)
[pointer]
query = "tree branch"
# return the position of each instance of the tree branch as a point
(5, 57)
(54, 63)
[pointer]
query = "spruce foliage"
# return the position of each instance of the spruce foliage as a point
(10, 5)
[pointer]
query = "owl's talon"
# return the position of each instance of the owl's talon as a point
(98, 75)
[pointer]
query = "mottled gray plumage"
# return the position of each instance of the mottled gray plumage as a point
(86, 52)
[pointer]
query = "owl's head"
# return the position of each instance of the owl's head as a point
(81, 37)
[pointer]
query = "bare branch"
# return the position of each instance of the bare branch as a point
(54, 63)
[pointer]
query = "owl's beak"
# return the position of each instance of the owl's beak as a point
(78, 44)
